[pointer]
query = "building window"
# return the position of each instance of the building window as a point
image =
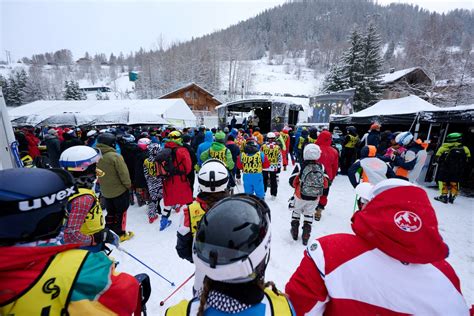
(187, 94)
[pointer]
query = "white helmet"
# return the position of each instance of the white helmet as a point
(271, 135)
(311, 152)
(81, 162)
(104, 130)
(404, 138)
(363, 191)
(91, 133)
(79, 158)
(386, 185)
(213, 176)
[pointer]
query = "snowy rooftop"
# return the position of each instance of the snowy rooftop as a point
(406, 105)
(391, 77)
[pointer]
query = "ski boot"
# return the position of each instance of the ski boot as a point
(126, 236)
(294, 229)
(164, 223)
(152, 219)
(317, 214)
(451, 198)
(442, 198)
(306, 232)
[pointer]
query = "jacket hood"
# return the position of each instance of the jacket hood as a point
(217, 146)
(208, 136)
(105, 149)
(324, 139)
(250, 149)
(404, 228)
(49, 136)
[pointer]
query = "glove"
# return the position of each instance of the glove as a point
(106, 236)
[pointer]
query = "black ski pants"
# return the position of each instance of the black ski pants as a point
(273, 182)
(116, 218)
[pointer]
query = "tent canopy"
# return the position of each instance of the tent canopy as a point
(396, 111)
(173, 111)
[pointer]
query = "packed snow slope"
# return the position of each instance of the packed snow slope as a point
(157, 249)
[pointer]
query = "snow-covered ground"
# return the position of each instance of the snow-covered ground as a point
(157, 249)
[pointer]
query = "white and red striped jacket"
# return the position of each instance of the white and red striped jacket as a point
(393, 265)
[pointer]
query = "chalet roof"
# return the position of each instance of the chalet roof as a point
(188, 85)
(394, 76)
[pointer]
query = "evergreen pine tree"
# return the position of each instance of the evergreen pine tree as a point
(370, 88)
(335, 81)
(73, 92)
(3, 85)
(352, 60)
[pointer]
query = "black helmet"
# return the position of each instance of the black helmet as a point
(351, 129)
(107, 139)
(313, 132)
(232, 242)
(33, 203)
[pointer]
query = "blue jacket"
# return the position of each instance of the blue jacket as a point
(208, 139)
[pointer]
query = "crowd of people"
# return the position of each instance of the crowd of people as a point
(86, 173)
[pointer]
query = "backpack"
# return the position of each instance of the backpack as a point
(312, 181)
(164, 163)
(455, 158)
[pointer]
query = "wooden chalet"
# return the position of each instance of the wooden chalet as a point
(197, 98)
(401, 83)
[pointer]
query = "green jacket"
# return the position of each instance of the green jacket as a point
(116, 179)
(219, 151)
(447, 147)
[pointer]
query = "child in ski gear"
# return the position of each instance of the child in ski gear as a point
(273, 152)
(154, 183)
(219, 151)
(235, 151)
(409, 165)
(330, 160)
(258, 136)
(212, 178)
(204, 146)
(452, 158)
(252, 161)
(396, 246)
(349, 150)
(37, 275)
(369, 168)
(309, 183)
(141, 186)
(85, 222)
(114, 184)
(176, 189)
(286, 140)
(232, 248)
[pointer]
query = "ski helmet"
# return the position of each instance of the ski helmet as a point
(271, 135)
(454, 137)
(91, 133)
(107, 139)
(368, 151)
(143, 143)
(352, 130)
(387, 184)
(313, 132)
(33, 203)
(311, 152)
(220, 137)
(213, 176)
(232, 243)
(81, 161)
(404, 138)
(128, 138)
(175, 135)
(363, 191)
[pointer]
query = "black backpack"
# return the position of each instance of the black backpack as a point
(164, 163)
(455, 158)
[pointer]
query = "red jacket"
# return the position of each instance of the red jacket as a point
(33, 142)
(393, 265)
(176, 189)
(329, 156)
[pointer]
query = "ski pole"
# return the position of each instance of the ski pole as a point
(128, 253)
(177, 289)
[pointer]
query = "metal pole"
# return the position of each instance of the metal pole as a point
(9, 157)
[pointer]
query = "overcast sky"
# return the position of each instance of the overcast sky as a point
(37, 26)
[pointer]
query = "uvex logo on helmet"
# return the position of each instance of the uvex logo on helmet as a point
(47, 200)
(407, 221)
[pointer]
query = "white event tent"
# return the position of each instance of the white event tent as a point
(104, 112)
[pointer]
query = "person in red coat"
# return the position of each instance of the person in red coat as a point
(176, 188)
(330, 160)
(393, 264)
(33, 142)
